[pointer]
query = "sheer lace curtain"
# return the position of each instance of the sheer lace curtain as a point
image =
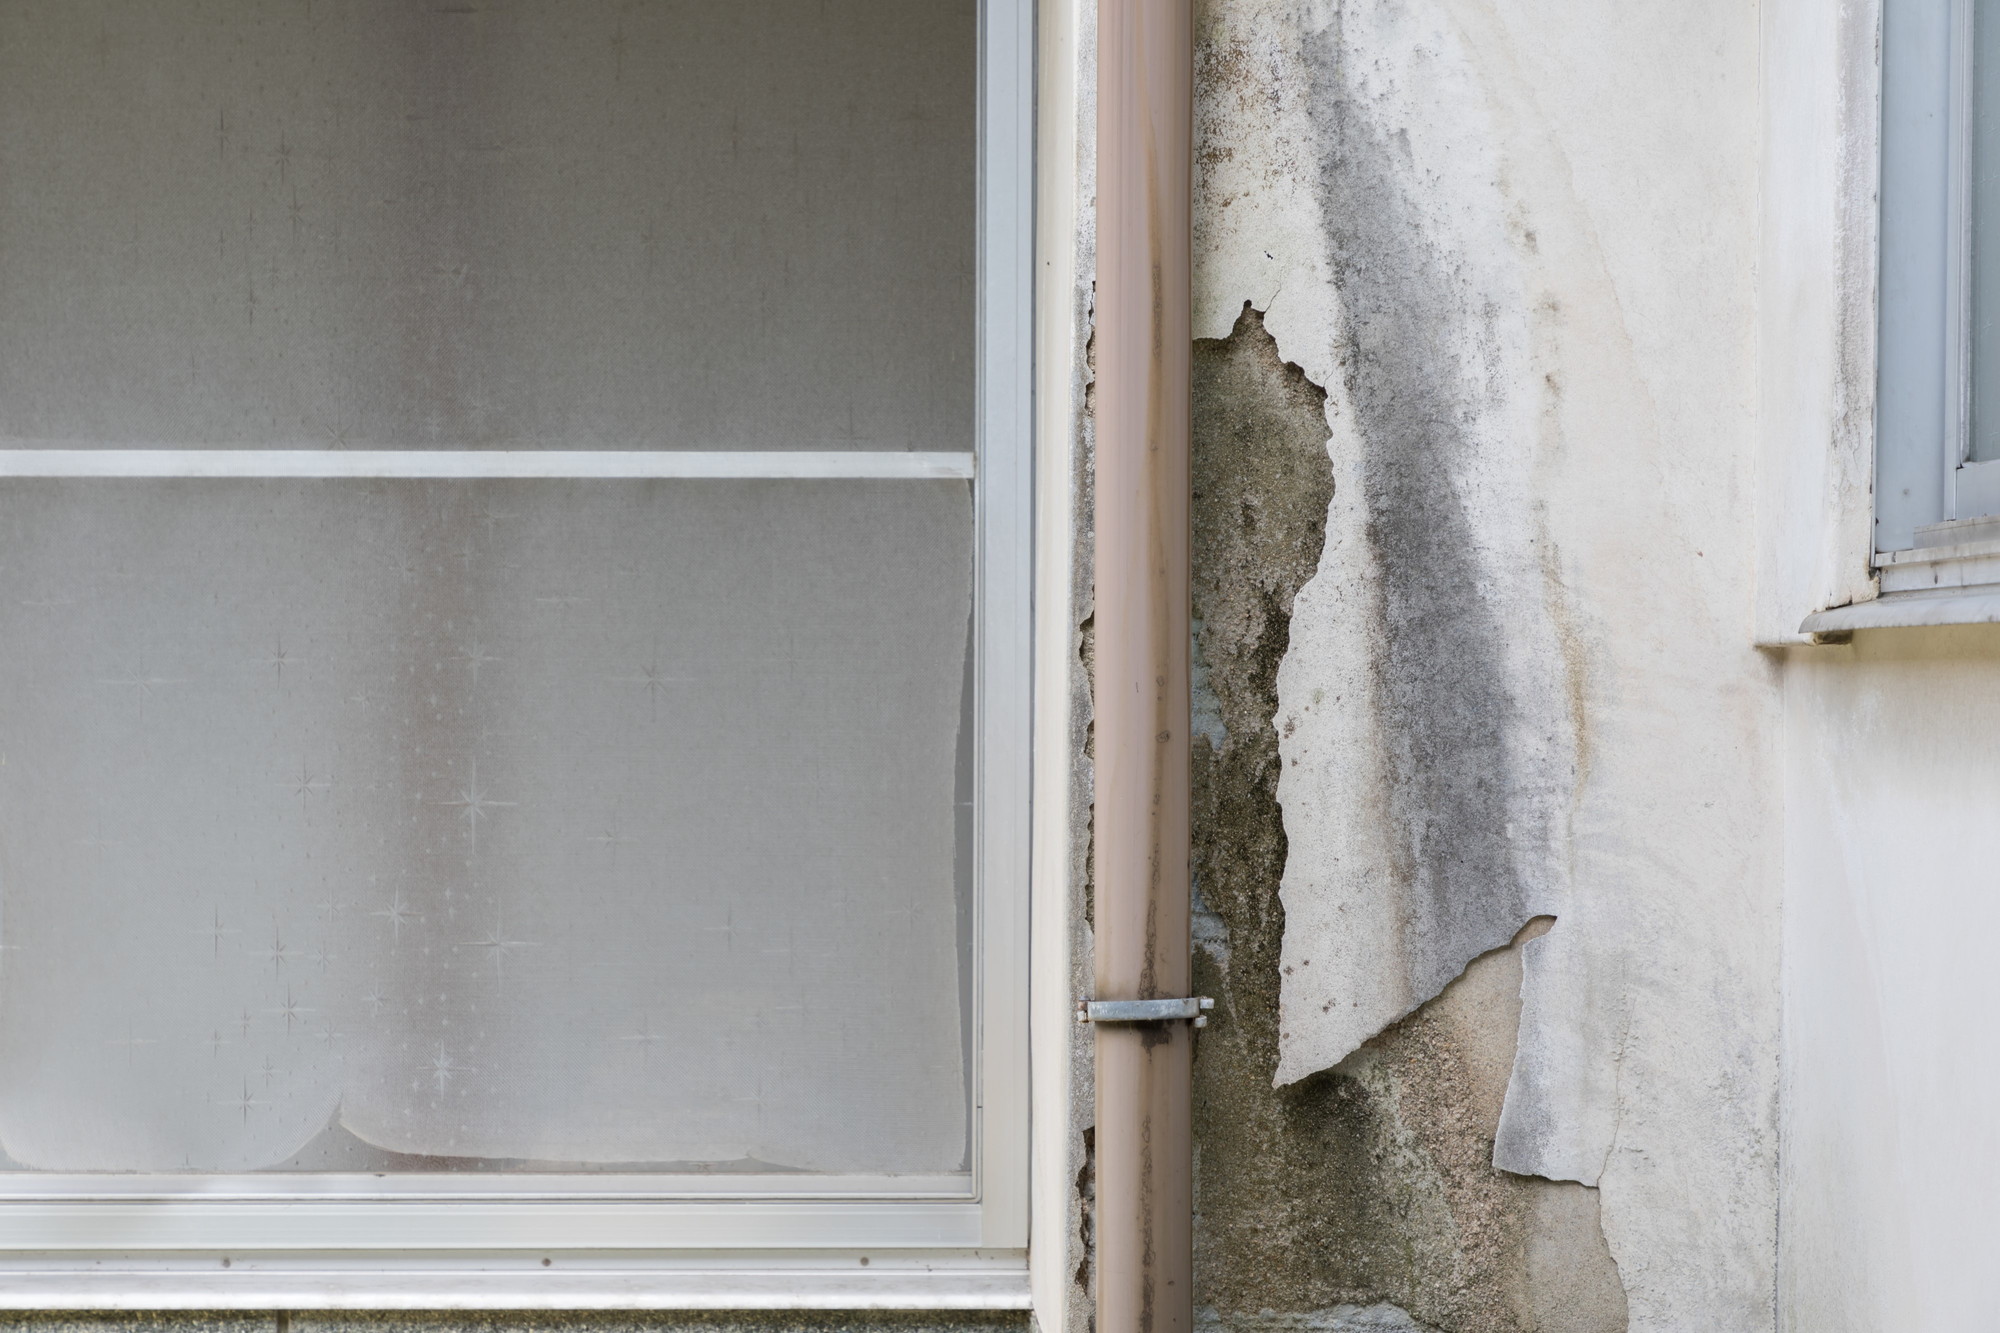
(438, 824)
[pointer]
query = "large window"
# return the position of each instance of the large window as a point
(513, 658)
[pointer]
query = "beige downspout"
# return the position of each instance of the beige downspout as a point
(1145, 1195)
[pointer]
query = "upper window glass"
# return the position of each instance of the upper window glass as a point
(487, 224)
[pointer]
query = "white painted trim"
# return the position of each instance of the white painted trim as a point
(1005, 497)
(461, 464)
(1910, 610)
(708, 1282)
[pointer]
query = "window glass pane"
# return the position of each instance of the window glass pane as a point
(1911, 423)
(497, 223)
(468, 825)
(1984, 433)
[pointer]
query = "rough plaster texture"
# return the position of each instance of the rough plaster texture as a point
(1374, 1181)
(1073, 1311)
(1080, 1308)
(1892, 1058)
(139, 1321)
(1383, 1318)
(1515, 239)
(1081, 1239)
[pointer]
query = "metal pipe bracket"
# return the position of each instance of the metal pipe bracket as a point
(1144, 1011)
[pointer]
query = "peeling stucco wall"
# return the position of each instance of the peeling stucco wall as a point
(1371, 1184)
(1515, 241)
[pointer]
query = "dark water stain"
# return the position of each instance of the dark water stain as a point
(1445, 708)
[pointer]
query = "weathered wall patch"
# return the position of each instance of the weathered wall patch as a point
(1519, 682)
(1319, 1201)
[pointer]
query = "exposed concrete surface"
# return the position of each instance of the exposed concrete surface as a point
(1515, 239)
(139, 1321)
(1384, 1318)
(1375, 1180)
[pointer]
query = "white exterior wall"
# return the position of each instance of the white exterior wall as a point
(1892, 771)
(1892, 1166)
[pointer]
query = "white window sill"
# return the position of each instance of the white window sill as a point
(1950, 577)
(988, 1281)
(1960, 606)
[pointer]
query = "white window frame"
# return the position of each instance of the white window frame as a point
(1937, 511)
(1923, 441)
(109, 1242)
(1870, 515)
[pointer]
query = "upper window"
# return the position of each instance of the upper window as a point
(1938, 397)
(513, 526)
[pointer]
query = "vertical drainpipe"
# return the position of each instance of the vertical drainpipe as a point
(1145, 1167)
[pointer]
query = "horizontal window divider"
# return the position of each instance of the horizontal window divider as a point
(474, 464)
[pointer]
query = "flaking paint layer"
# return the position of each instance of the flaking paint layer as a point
(1365, 1193)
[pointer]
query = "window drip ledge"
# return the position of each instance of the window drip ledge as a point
(1978, 605)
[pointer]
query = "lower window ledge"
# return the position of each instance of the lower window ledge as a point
(1909, 610)
(881, 1285)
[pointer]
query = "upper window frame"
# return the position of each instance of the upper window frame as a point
(1932, 518)
(262, 1242)
(1925, 476)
